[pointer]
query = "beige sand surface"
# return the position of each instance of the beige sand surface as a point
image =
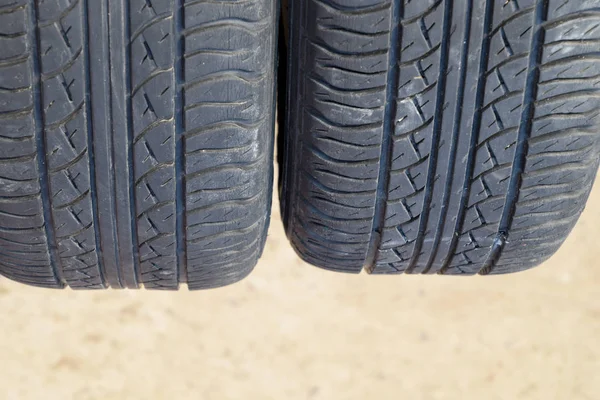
(292, 332)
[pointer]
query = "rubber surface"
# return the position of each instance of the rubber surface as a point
(453, 137)
(135, 141)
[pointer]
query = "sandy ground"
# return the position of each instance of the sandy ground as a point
(292, 331)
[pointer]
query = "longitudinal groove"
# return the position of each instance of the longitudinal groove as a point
(90, 139)
(118, 283)
(385, 161)
(475, 128)
(99, 96)
(34, 42)
(121, 140)
(180, 200)
(455, 133)
(137, 274)
(524, 132)
(115, 276)
(437, 131)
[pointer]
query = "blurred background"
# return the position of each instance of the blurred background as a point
(291, 331)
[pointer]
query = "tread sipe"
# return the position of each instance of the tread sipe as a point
(135, 141)
(439, 136)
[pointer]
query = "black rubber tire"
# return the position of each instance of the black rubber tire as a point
(135, 141)
(452, 137)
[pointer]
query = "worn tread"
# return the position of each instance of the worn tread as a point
(133, 156)
(463, 133)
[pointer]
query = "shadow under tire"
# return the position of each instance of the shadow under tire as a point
(452, 137)
(135, 141)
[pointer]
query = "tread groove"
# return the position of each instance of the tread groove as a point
(41, 144)
(178, 81)
(455, 132)
(385, 161)
(524, 132)
(476, 124)
(437, 130)
(90, 145)
(136, 275)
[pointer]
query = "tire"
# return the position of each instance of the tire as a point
(451, 137)
(135, 141)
